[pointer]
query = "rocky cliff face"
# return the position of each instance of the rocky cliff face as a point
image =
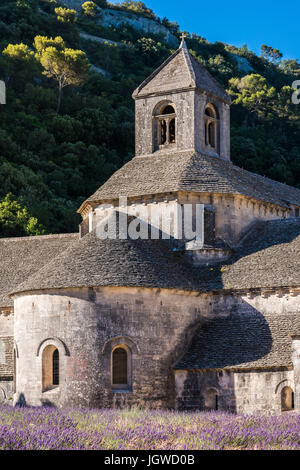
(116, 18)
(243, 64)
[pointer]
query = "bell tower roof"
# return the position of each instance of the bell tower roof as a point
(180, 72)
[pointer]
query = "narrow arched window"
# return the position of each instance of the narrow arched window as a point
(165, 126)
(55, 367)
(163, 131)
(211, 135)
(50, 367)
(211, 128)
(287, 399)
(172, 130)
(15, 371)
(121, 368)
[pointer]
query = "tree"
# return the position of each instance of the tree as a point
(219, 66)
(253, 92)
(290, 66)
(172, 26)
(271, 54)
(15, 220)
(67, 66)
(20, 63)
(149, 48)
(42, 42)
(285, 109)
(89, 9)
(138, 7)
(101, 3)
(27, 4)
(65, 15)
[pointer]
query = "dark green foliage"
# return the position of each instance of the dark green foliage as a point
(15, 220)
(101, 3)
(50, 163)
(269, 53)
(136, 7)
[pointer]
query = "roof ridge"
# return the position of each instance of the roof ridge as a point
(187, 57)
(191, 171)
(53, 236)
(154, 73)
(204, 70)
(211, 160)
(266, 178)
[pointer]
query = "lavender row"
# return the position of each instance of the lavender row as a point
(50, 428)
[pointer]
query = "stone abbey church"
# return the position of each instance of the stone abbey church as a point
(160, 323)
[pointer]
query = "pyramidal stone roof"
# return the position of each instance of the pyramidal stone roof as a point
(269, 257)
(181, 71)
(190, 171)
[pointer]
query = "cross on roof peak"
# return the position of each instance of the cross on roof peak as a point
(182, 37)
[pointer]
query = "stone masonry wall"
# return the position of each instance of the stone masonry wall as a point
(243, 392)
(201, 100)
(233, 215)
(6, 355)
(156, 325)
(184, 107)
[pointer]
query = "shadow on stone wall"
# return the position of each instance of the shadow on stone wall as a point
(240, 340)
(230, 341)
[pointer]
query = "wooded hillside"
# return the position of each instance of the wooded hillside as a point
(69, 119)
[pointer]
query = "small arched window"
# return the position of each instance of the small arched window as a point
(287, 399)
(50, 367)
(211, 128)
(121, 368)
(165, 126)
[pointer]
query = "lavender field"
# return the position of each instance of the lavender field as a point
(50, 428)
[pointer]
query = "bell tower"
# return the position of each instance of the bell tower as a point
(181, 107)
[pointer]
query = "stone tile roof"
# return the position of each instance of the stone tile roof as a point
(191, 171)
(268, 257)
(242, 341)
(22, 257)
(95, 262)
(181, 70)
